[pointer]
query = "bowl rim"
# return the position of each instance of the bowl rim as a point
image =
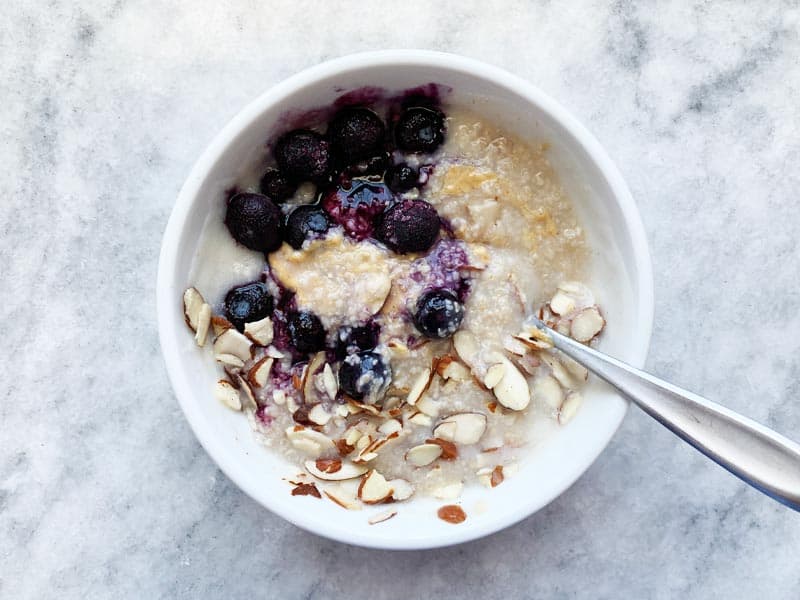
(412, 58)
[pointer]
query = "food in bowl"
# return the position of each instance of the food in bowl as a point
(379, 272)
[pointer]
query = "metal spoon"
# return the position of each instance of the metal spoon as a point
(755, 454)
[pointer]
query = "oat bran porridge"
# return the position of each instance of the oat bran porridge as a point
(369, 319)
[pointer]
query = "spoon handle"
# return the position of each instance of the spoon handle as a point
(756, 454)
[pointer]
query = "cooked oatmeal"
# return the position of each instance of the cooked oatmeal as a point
(384, 349)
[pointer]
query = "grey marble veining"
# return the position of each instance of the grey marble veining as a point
(104, 491)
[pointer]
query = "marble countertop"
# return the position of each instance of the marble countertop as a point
(104, 490)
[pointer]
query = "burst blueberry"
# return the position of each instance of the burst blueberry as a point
(356, 133)
(356, 339)
(409, 226)
(364, 376)
(419, 129)
(254, 221)
(356, 204)
(306, 332)
(276, 186)
(305, 222)
(401, 178)
(304, 155)
(248, 303)
(439, 314)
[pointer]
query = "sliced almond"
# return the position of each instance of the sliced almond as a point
(250, 398)
(261, 332)
(226, 393)
(192, 304)
(558, 371)
(279, 397)
(449, 450)
(419, 387)
(259, 373)
(403, 490)
(562, 303)
(496, 478)
(203, 323)
(455, 371)
(580, 293)
(273, 352)
(494, 374)
(329, 382)
(351, 436)
(309, 441)
(343, 497)
(424, 454)
(512, 390)
(421, 419)
(449, 491)
(381, 517)
(319, 415)
(428, 406)
(374, 488)
(569, 407)
(310, 374)
(462, 428)
(515, 346)
(577, 370)
(229, 359)
(326, 470)
(232, 342)
(391, 426)
(586, 324)
(549, 391)
(220, 324)
(466, 344)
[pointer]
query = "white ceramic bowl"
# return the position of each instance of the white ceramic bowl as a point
(602, 200)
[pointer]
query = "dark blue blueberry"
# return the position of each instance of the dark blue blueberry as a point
(401, 178)
(303, 223)
(248, 303)
(356, 133)
(439, 314)
(409, 226)
(419, 129)
(355, 204)
(364, 376)
(356, 339)
(306, 332)
(304, 155)
(254, 221)
(276, 186)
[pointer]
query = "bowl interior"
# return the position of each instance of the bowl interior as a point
(604, 207)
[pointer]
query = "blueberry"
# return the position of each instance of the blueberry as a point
(372, 166)
(401, 178)
(254, 221)
(356, 133)
(364, 376)
(356, 204)
(248, 303)
(276, 186)
(306, 332)
(356, 339)
(304, 155)
(305, 222)
(419, 129)
(409, 226)
(439, 314)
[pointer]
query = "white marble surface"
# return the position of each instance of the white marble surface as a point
(104, 491)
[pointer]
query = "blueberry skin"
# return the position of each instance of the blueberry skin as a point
(356, 133)
(248, 303)
(303, 223)
(419, 129)
(356, 339)
(364, 376)
(409, 226)
(306, 332)
(401, 178)
(254, 221)
(276, 186)
(304, 155)
(439, 314)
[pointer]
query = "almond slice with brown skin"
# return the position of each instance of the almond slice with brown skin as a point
(419, 387)
(462, 428)
(319, 415)
(586, 324)
(230, 360)
(226, 393)
(259, 373)
(374, 488)
(466, 345)
(329, 382)
(403, 490)
(381, 517)
(203, 323)
(192, 304)
(309, 441)
(250, 398)
(232, 342)
(424, 454)
(261, 332)
(512, 390)
(327, 471)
